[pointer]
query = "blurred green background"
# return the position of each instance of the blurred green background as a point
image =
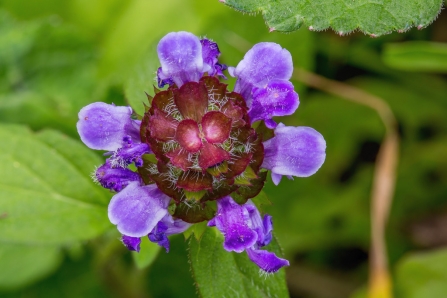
(58, 56)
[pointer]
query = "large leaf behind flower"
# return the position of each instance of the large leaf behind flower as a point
(218, 272)
(370, 17)
(46, 195)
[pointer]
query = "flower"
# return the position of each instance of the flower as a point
(244, 229)
(195, 147)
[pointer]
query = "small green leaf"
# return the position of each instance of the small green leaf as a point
(217, 271)
(261, 199)
(416, 56)
(23, 264)
(46, 195)
(422, 275)
(148, 253)
(197, 229)
(371, 17)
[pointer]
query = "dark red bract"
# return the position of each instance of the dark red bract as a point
(204, 147)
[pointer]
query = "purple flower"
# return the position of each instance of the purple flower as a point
(185, 58)
(166, 227)
(244, 229)
(195, 146)
(264, 62)
(136, 209)
(294, 151)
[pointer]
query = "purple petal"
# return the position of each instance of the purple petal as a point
(294, 151)
(263, 227)
(180, 55)
(132, 243)
(210, 54)
(115, 178)
(131, 152)
(137, 209)
(102, 126)
(264, 62)
(159, 236)
(233, 221)
(278, 98)
(276, 178)
(163, 80)
(166, 227)
(266, 261)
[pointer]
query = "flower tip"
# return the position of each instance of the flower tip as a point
(271, 29)
(222, 1)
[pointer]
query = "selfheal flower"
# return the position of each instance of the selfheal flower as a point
(263, 80)
(195, 147)
(294, 151)
(184, 58)
(244, 229)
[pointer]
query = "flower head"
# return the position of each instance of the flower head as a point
(195, 147)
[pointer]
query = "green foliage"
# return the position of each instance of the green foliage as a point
(421, 275)
(16, 269)
(39, 181)
(217, 271)
(371, 17)
(147, 254)
(416, 56)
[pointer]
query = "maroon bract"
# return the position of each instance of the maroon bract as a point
(202, 142)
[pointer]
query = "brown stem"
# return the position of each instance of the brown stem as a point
(384, 174)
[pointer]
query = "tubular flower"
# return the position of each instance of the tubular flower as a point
(195, 148)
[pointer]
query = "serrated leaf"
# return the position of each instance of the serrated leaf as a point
(217, 271)
(423, 275)
(416, 56)
(371, 17)
(45, 196)
(23, 264)
(148, 253)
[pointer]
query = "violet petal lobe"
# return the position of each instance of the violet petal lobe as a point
(114, 178)
(266, 261)
(277, 98)
(294, 151)
(166, 227)
(233, 221)
(132, 243)
(137, 209)
(103, 126)
(265, 61)
(210, 55)
(180, 55)
(130, 153)
(262, 226)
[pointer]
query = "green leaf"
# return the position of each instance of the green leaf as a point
(371, 17)
(423, 275)
(416, 56)
(46, 195)
(148, 253)
(22, 264)
(217, 271)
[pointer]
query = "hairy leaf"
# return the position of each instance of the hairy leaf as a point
(371, 17)
(46, 195)
(217, 271)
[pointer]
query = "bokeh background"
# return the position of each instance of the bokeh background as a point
(58, 56)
